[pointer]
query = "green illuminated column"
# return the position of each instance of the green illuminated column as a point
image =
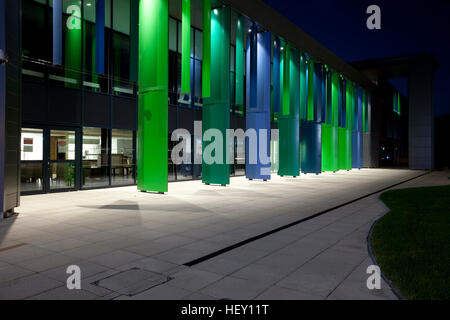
(153, 95)
(330, 132)
(186, 47)
(335, 98)
(311, 90)
(216, 109)
(349, 119)
(294, 83)
(281, 78)
(240, 61)
(206, 66)
(286, 79)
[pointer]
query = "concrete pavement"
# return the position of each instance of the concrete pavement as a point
(131, 245)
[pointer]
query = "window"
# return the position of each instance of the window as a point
(35, 17)
(95, 157)
(31, 156)
(123, 162)
(62, 166)
(121, 48)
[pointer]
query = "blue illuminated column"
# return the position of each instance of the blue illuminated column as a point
(258, 105)
(311, 130)
(276, 77)
(357, 134)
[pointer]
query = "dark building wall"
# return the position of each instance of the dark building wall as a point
(442, 138)
(11, 87)
(56, 105)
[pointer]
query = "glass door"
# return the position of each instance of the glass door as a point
(62, 168)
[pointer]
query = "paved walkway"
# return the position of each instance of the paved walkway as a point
(131, 245)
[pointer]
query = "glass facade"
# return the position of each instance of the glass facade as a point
(78, 69)
(31, 156)
(106, 153)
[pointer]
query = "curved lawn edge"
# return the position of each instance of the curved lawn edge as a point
(410, 243)
(374, 259)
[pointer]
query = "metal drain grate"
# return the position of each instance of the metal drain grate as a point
(132, 282)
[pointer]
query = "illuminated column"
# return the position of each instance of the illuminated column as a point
(357, 151)
(348, 125)
(258, 108)
(330, 152)
(342, 131)
(323, 90)
(216, 109)
(311, 76)
(276, 102)
(276, 77)
(240, 61)
(370, 140)
(303, 88)
(153, 95)
(289, 120)
(311, 130)
(186, 47)
(317, 106)
(206, 66)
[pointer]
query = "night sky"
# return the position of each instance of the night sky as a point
(407, 27)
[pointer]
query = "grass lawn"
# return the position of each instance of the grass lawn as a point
(412, 242)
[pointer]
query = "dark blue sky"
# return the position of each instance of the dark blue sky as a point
(407, 27)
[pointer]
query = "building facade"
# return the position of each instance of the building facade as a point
(103, 84)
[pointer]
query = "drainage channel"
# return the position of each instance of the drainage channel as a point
(271, 232)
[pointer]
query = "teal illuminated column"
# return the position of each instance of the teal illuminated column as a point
(240, 61)
(310, 113)
(303, 86)
(206, 66)
(186, 47)
(153, 95)
(216, 109)
(289, 120)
